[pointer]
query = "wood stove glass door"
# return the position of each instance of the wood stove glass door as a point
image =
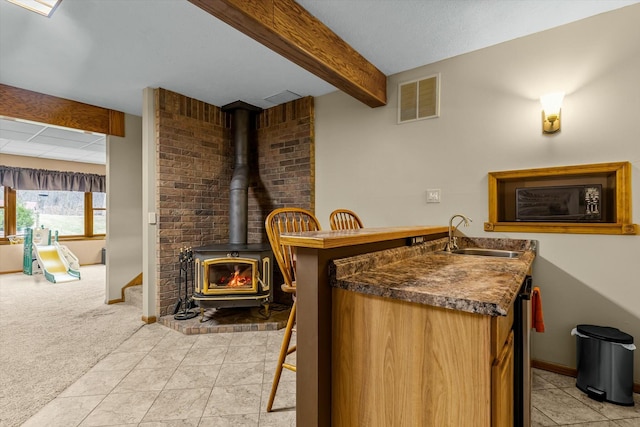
(230, 276)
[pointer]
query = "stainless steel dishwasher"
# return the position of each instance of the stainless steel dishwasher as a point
(522, 356)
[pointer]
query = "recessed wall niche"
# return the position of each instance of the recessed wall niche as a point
(582, 199)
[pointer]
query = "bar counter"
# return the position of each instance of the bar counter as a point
(426, 274)
(315, 251)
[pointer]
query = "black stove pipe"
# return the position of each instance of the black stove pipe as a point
(239, 196)
(239, 191)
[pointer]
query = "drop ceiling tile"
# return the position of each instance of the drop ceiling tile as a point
(23, 148)
(23, 127)
(69, 135)
(100, 141)
(41, 139)
(19, 138)
(15, 135)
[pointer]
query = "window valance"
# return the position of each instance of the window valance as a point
(42, 179)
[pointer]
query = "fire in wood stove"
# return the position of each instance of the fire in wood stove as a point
(230, 275)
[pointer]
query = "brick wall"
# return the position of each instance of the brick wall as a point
(286, 163)
(194, 161)
(193, 169)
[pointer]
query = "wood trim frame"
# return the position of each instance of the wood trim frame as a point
(149, 320)
(623, 218)
(565, 370)
(9, 220)
(555, 368)
(88, 214)
(25, 104)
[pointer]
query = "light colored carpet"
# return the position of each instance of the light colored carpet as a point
(51, 334)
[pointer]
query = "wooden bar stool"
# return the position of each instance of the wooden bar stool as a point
(344, 219)
(279, 221)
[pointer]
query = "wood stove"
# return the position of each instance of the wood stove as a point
(233, 275)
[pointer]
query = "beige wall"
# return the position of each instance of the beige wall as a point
(11, 258)
(490, 121)
(149, 190)
(124, 207)
(87, 251)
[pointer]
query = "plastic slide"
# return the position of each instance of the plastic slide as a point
(54, 264)
(57, 262)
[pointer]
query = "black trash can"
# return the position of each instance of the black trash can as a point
(605, 363)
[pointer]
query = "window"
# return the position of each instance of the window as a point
(70, 213)
(56, 210)
(99, 209)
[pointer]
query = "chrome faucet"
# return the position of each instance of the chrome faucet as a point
(452, 244)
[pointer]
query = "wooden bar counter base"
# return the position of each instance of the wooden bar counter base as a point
(315, 305)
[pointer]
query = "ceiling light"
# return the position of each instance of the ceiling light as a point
(43, 7)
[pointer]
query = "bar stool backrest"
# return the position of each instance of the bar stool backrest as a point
(344, 219)
(288, 220)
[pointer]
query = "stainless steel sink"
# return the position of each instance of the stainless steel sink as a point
(487, 252)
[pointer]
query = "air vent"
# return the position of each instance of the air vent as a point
(282, 97)
(419, 99)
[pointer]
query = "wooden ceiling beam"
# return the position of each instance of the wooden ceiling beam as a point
(288, 29)
(24, 104)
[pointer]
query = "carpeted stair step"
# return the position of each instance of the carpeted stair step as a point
(133, 296)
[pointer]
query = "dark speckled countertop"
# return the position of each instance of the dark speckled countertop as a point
(422, 274)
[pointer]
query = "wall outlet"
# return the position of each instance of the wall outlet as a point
(433, 195)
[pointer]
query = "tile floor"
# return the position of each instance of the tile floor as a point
(156, 378)
(557, 401)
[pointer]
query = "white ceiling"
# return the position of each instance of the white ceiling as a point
(105, 52)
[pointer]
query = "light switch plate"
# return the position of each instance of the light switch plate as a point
(433, 195)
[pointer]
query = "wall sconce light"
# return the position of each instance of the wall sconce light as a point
(551, 104)
(43, 7)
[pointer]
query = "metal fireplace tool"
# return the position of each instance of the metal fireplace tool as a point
(186, 276)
